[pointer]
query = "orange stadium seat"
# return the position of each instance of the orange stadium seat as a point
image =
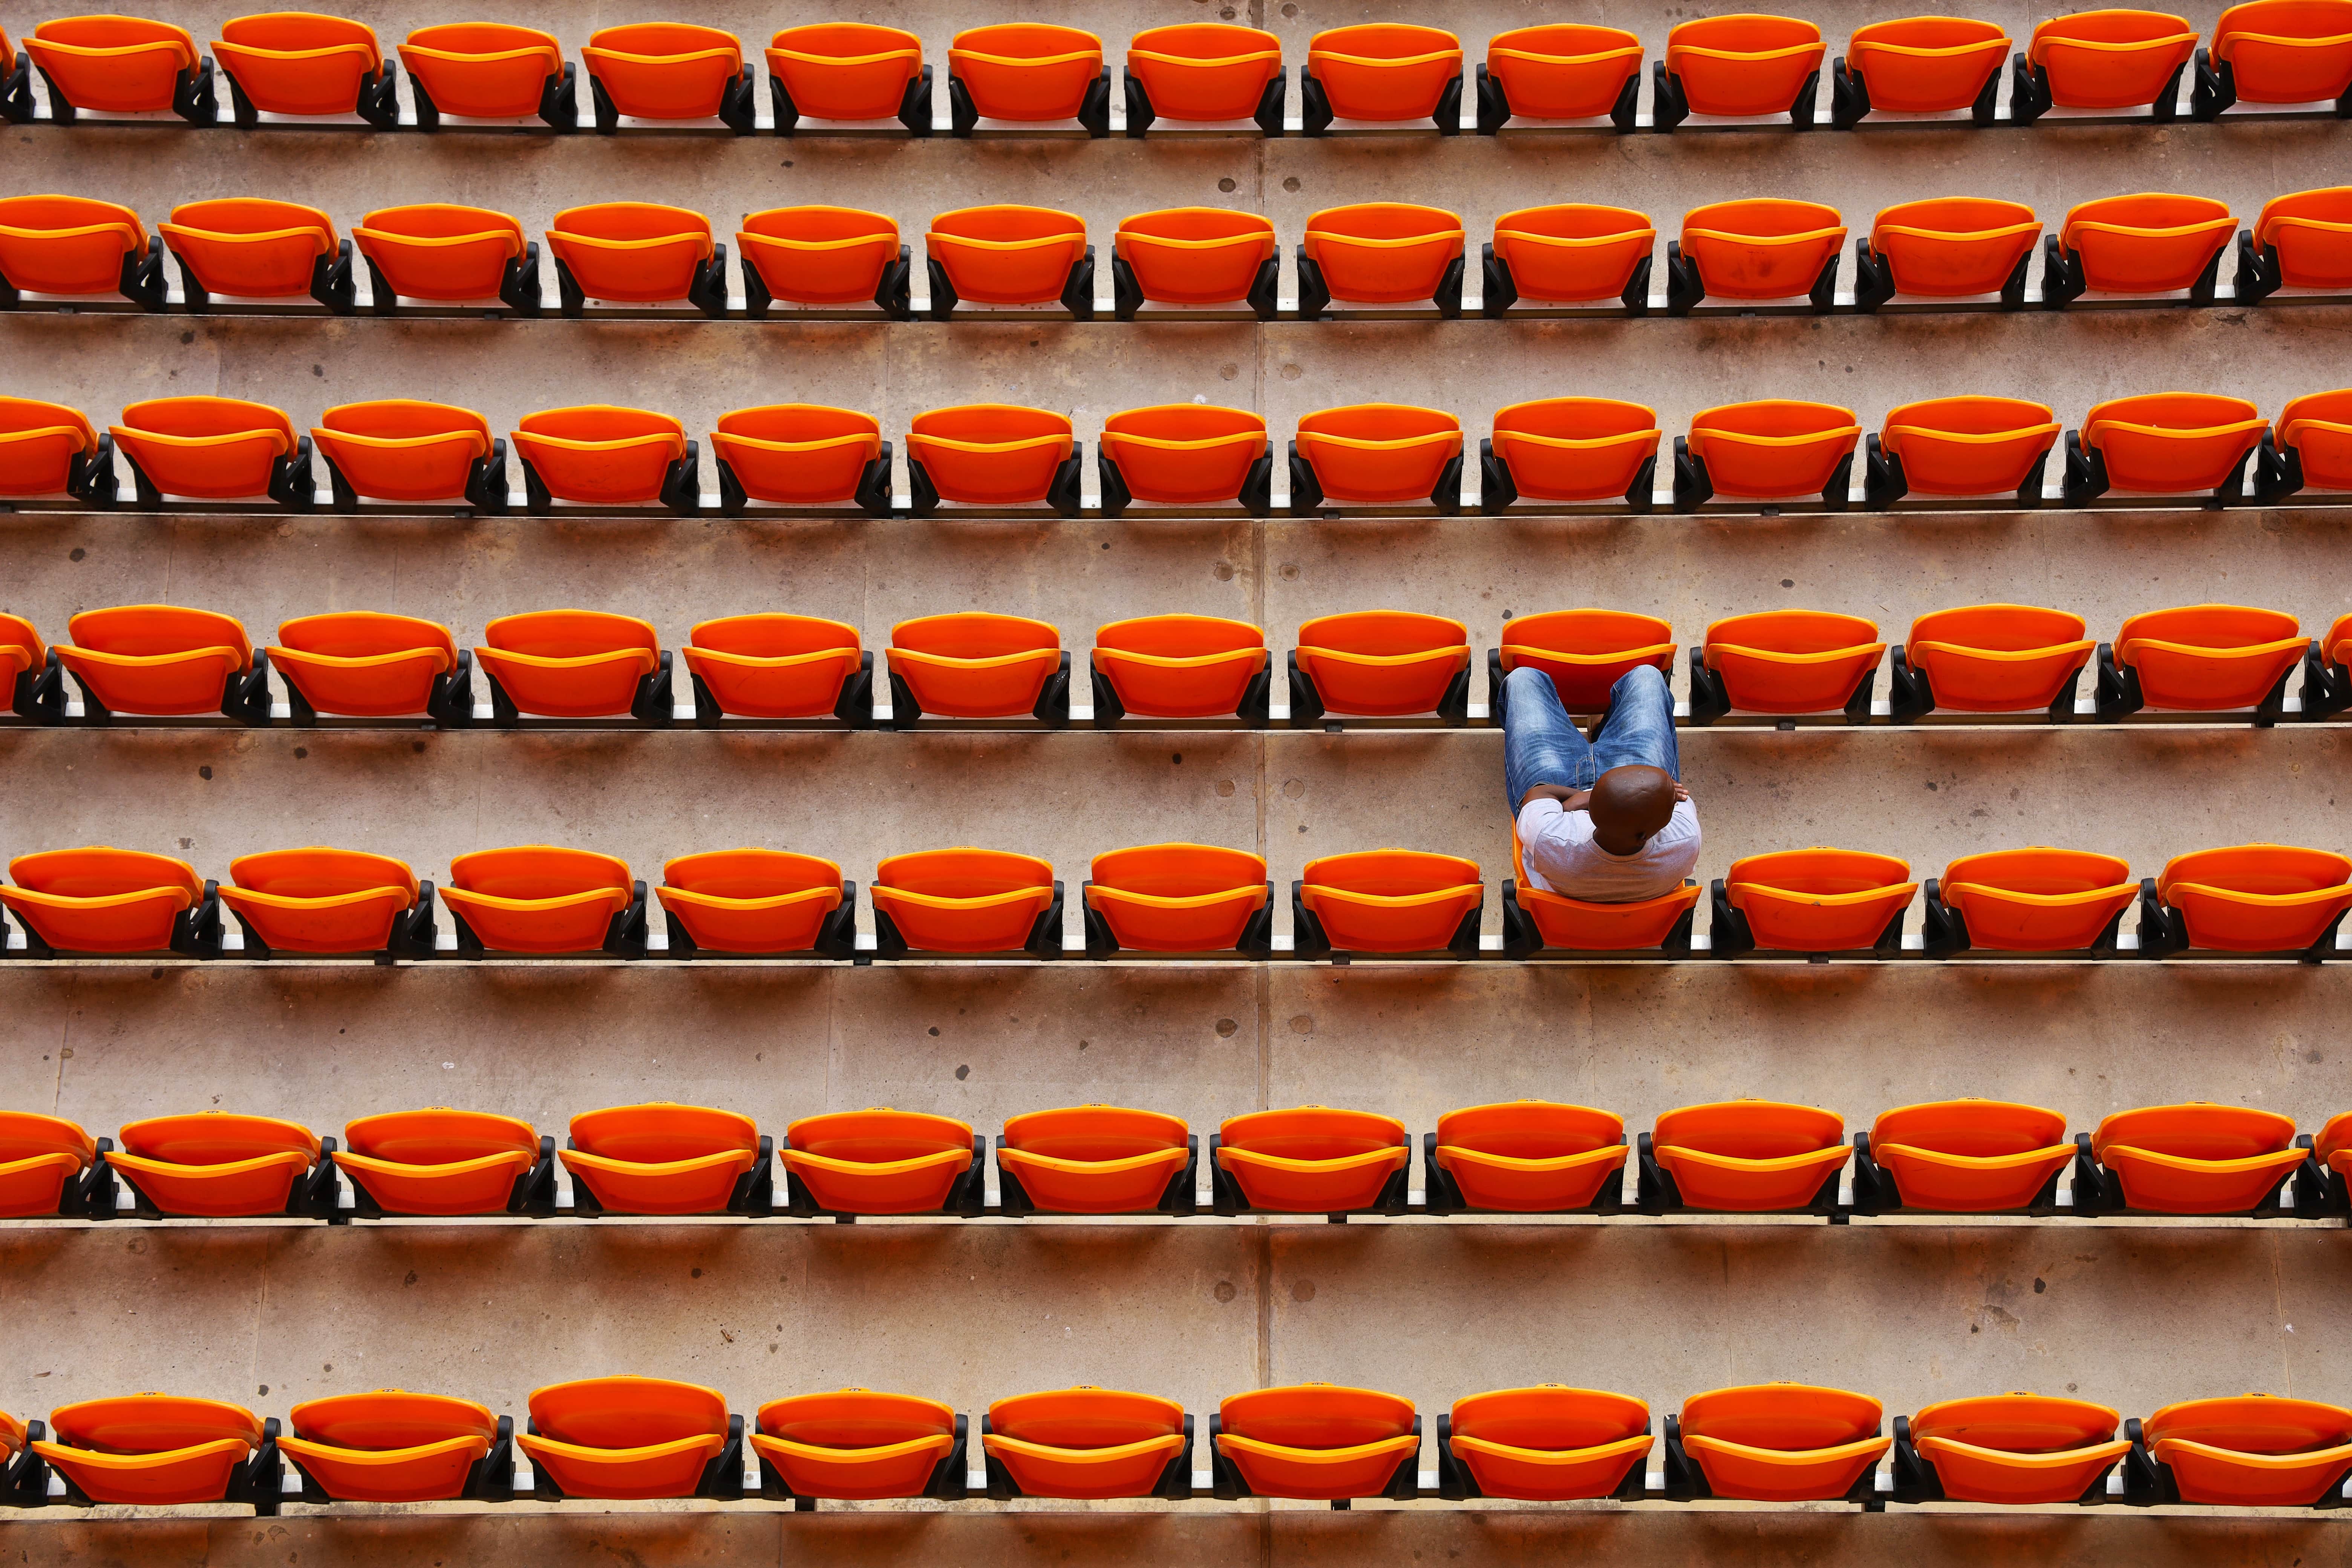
(1989, 658)
(2014, 1449)
(668, 70)
(1546, 1444)
(2164, 443)
(1383, 73)
(444, 1161)
(973, 664)
(43, 1160)
(47, 448)
(857, 1445)
(2309, 447)
(1088, 1443)
(15, 106)
(1742, 1157)
(2255, 1450)
(320, 900)
(1309, 1159)
(160, 1449)
(775, 666)
(122, 64)
(1961, 1156)
(215, 448)
(1387, 900)
(574, 663)
(33, 672)
(1744, 67)
(2150, 243)
(1536, 919)
(756, 901)
(848, 70)
(2201, 658)
(2327, 683)
(1380, 253)
(637, 253)
(1560, 70)
(1010, 256)
(992, 454)
(2193, 1159)
(1194, 256)
(1525, 1156)
(2328, 1175)
(1096, 1159)
(217, 1164)
(100, 899)
(1180, 667)
(1585, 652)
(449, 254)
(2028, 901)
(1919, 65)
(71, 246)
(249, 248)
(824, 256)
(1758, 247)
(1204, 72)
(2276, 51)
(366, 664)
(1775, 1442)
(1946, 247)
(1785, 661)
(1315, 1441)
(1812, 900)
(633, 1438)
(1569, 253)
(667, 1159)
(598, 455)
(1377, 454)
(401, 450)
(1030, 73)
(307, 66)
(1380, 663)
(801, 454)
(1179, 898)
(163, 659)
(1964, 445)
(1570, 449)
(2102, 60)
(2300, 241)
(393, 1446)
(967, 900)
(881, 1162)
(2253, 897)
(539, 899)
(1185, 454)
(489, 70)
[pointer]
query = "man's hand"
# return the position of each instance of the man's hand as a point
(1680, 792)
(1569, 799)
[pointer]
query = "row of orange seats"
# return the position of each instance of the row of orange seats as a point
(2255, 898)
(1744, 67)
(641, 1438)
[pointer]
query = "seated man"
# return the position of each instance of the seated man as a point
(1606, 821)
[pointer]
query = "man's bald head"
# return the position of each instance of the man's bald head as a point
(1629, 804)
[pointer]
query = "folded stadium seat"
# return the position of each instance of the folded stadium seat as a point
(489, 70)
(98, 900)
(306, 66)
(1380, 253)
(1919, 66)
(215, 1164)
(1812, 900)
(2191, 1159)
(756, 901)
(1315, 1441)
(1010, 256)
(597, 454)
(1032, 73)
(1096, 1159)
(2150, 243)
(1527, 1156)
(637, 253)
(1180, 667)
(1785, 661)
(329, 901)
(801, 454)
(1562, 70)
(857, 1445)
(1309, 1159)
(2102, 60)
(848, 70)
(47, 448)
(633, 1438)
(1536, 920)
(1570, 449)
(2276, 51)
(667, 1159)
(539, 899)
(973, 664)
(402, 451)
(31, 669)
(448, 254)
(1742, 1157)
(2309, 447)
(253, 249)
(668, 70)
(2028, 901)
(1569, 253)
(1377, 454)
(165, 660)
(992, 454)
(366, 664)
(1202, 72)
(2014, 1449)
(2164, 443)
(215, 448)
(1380, 663)
(966, 900)
(1961, 1156)
(1989, 658)
(1179, 898)
(73, 245)
(2326, 682)
(122, 64)
(1738, 66)
(575, 664)
(2300, 241)
(1946, 247)
(882, 1162)
(160, 1449)
(1185, 454)
(1546, 1444)
(1088, 1443)
(43, 1160)
(2323, 1187)
(2254, 1450)
(16, 106)
(1775, 1442)
(444, 1161)
(1194, 256)
(2201, 658)
(1381, 73)
(824, 256)
(2254, 898)
(1387, 900)
(775, 666)
(1964, 445)
(1759, 247)
(393, 1446)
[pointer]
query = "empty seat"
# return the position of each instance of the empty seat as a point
(1380, 663)
(42, 1159)
(393, 1446)
(632, 1437)
(2331, 1154)
(451, 254)
(541, 899)
(1919, 65)
(855, 1444)
(1377, 454)
(1201, 72)
(2256, 1450)
(296, 63)
(1387, 900)
(2254, 898)
(1744, 67)
(489, 70)
(47, 449)
(2163, 442)
(1535, 919)
(1947, 247)
(1315, 1441)
(2193, 1159)
(217, 1164)
(1781, 1442)
(2029, 900)
(1179, 898)
(1759, 247)
(2017, 1449)
(1546, 1444)
(823, 256)
(402, 451)
(320, 900)
(161, 660)
(638, 253)
(1991, 659)
(1310, 1160)
(756, 901)
(967, 900)
(2104, 59)
(1380, 253)
(1029, 72)
(775, 666)
(575, 664)
(2309, 449)
(1180, 667)
(2300, 241)
(1962, 445)
(1772, 449)
(1571, 449)
(2276, 51)
(1560, 70)
(879, 1160)
(31, 671)
(1010, 256)
(801, 454)
(1089, 1443)
(98, 900)
(1814, 900)
(1528, 1156)
(973, 664)
(665, 1158)
(850, 70)
(160, 1449)
(74, 244)
(2203, 658)
(2150, 243)
(668, 70)
(1569, 253)
(1963, 1156)
(256, 248)
(1786, 661)
(121, 65)
(367, 664)
(1096, 1159)
(1185, 454)
(992, 454)
(215, 448)
(1744, 1156)
(1194, 256)
(442, 1161)
(1382, 72)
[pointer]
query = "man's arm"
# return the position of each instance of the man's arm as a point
(1569, 799)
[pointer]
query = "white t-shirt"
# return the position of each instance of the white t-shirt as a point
(1561, 858)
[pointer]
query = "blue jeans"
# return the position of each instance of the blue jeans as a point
(1541, 745)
